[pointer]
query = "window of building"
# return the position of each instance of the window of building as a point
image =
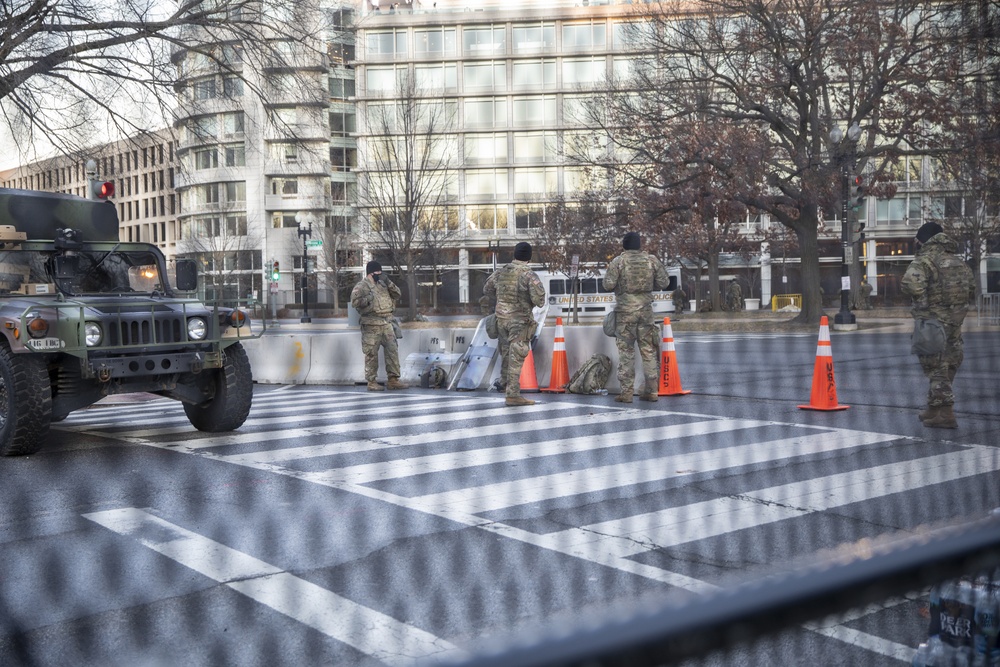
(387, 43)
(341, 89)
(534, 110)
(485, 75)
(528, 217)
(236, 191)
(205, 127)
(584, 71)
(439, 218)
(204, 89)
(486, 219)
(631, 35)
(485, 148)
(283, 220)
(533, 74)
(434, 41)
(485, 183)
(338, 191)
(384, 80)
(286, 187)
(342, 123)
(485, 113)
(343, 159)
(485, 40)
(535, 147)
(236, 155)
(207, 158)
(575, 110)
(891, 211)
(232, 86)
(236, 225)
(436, 76)
(536, 181)
(340, 53)
(584, 36)
(232, 124)
(535, 37)
(626, 67)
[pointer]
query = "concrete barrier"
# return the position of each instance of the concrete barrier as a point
(327, 357)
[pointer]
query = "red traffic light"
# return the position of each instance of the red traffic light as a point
(100, 189)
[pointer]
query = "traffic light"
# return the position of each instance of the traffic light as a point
(859, 190)
(859, 232)
(98, 189)
(275, 272)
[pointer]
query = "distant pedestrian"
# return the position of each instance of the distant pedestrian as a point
(516, 290)
(632, 276)
(734, 297)
(941, 286)
(680, 299)
(375, 298)
(866, 294)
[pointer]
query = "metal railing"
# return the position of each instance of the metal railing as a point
(780, 301)
(988, 308)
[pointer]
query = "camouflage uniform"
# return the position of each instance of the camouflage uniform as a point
(516, 289)
(633, 275)
(680, 300)
(375, 302)
(734, 297)
(866, 295)
(941, 285)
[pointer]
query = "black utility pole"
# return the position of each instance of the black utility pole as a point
(846, 154)
(305, 234)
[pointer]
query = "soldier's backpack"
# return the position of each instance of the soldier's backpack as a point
(592, 376)
(434, 377)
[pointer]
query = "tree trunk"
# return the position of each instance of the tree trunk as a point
(713, 281)
(411, 284)
(812, 303)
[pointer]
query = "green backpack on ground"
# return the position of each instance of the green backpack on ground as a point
(592, 376)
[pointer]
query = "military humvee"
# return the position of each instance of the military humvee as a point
(85, 316)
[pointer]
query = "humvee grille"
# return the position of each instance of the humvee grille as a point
(143, 331)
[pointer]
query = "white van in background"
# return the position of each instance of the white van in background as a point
(593, 302)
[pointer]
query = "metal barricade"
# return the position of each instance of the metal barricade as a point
(988, 309)
(781, 301)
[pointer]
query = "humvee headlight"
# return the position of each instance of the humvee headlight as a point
(197, 329)
(38, 327)
(92, 334)
(237, 318)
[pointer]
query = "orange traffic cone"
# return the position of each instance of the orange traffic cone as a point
(559, 375)
(824, 389)
(528, 380)
(670, 374)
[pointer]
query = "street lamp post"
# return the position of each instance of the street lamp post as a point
(305, 234)
(846, 155)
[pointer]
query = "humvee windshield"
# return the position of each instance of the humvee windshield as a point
(80, 272)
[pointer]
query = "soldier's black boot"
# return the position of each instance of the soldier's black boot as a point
(945, 418)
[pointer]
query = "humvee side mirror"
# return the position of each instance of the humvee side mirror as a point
(186, 275)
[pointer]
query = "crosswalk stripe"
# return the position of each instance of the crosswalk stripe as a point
(366, 473)
(370, 631)
(356, 427)
(547, 487)
(417, 403)
(688, 523)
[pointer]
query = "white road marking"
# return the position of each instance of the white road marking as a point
(370, 631)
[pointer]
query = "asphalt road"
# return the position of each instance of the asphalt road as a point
(341, 527)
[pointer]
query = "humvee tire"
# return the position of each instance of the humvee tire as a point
(229, 408)
(25, 403)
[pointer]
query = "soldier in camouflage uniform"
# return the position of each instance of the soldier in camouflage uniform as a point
(941, 285)
(734, 297)
(375, 298)
(680, 299)
(516, 289)
(632, 276)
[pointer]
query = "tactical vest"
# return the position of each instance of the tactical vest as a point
(509, 296)
(636, 274)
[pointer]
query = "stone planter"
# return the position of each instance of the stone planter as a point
(752, 304)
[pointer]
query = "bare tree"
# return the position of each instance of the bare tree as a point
(76, 72)
(224, 250)
(794, 71)
(339, 252)
(405, 179)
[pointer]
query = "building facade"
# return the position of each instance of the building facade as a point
(287, 161)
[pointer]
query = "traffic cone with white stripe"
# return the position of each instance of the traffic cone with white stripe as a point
(559, 375)
(528, 379)
(824, 388)
(670, 374)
